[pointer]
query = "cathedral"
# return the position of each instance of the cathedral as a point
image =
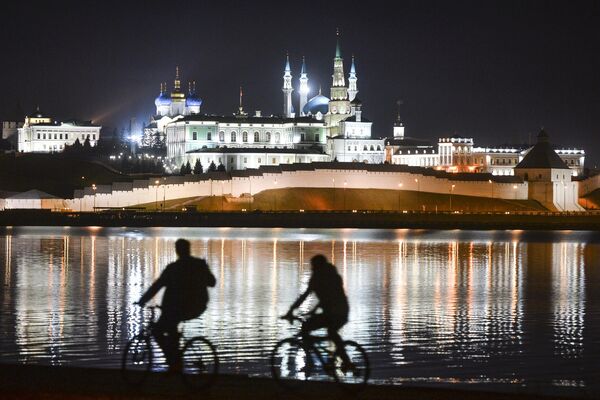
(320, 129)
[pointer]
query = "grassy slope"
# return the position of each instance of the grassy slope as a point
(591, 201)
(360, 199)
(51, 173)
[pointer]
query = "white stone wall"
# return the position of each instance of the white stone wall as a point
(140, 192)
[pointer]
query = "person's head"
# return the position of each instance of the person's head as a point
(182, 248)
(319, 263)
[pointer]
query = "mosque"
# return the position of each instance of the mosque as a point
(322, 128)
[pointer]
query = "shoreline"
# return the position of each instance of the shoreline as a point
(34, 381)
(310, 219)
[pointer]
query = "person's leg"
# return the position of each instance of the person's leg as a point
(334, 325)
(166, 335)
(314, 322)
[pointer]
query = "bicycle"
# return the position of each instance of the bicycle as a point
(200, 362)
(293, 361)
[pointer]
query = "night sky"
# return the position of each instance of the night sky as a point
(496, 71)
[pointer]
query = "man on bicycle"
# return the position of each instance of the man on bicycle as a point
(185, 282)
(327, 285)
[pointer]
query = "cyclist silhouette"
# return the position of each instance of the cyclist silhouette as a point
(185, 282)
(327, 285)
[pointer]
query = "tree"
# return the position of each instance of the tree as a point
(212, 167)
(87, 146)
(188, 168)
(221, 168)
(198, 167)
(182, 170)
(77, 145)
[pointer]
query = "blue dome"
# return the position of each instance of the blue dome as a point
(162, 100)
(193, 101)
(319, 103)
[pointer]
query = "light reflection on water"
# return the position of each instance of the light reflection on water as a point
(430, 306)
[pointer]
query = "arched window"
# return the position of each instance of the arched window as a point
(256, 137)
(268, 136)
(378, 148)
(245, 137)
(365, 148)
(221, 136)
(277, 137)
(372, 148)
(233, 137)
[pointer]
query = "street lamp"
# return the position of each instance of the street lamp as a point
(564, 196)
(333, 180)
(515, 188)
(418, 191)
(82, 193)
(156, 182)
(164, 192)
(451, 191)
(274, 196)
(399, 188)
(94, 189)
(492, 186)
(222, 197)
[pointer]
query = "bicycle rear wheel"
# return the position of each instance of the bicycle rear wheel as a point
(290, 363)
(200, 363)
(355, 374)
(136, 361)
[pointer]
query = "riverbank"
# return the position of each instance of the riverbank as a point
(41, 382)
(312, 219)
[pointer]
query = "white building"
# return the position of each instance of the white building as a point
(548, 176)
(41, 134)
(402, 150)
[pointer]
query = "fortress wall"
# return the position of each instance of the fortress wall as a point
(148, 192)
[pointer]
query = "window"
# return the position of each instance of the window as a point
(194, 135)
(94, 136)
(277, 137)
(302, 137)
(39, 136)
(221, 136)
(349, 148)
(256, 137)
(233, 137)
(317, 138)
(66, 136)
(259, 160)
(372, 148)
(274, 160)
(245, 160)
(268, 136)
(365, 148)
(60, 136)
(208, 135)
(44, 136)
(356, 149)
(245, 137)
(230, 159)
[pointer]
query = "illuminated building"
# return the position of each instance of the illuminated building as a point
(42, 134)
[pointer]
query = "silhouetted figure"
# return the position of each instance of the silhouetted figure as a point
(328, 286)
(185, 282)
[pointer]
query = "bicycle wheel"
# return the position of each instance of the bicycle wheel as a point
(355, 374)
(200, 363)
(290, 363)
(137, 359)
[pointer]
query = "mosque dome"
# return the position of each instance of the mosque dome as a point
(319, 103)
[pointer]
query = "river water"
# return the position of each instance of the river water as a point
(502, 310)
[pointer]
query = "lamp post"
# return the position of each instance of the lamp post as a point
(564, 196)
(345, 184)
(164, 192)
(399, 188)
(418, 192)
(94, 189)
(515, 188)
(156, 182)
(451, 191)
(492, 186)
(274, 196)
(82, 193)
(222, 197)
(333, 180)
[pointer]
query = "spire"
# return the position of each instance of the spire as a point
(398, 125)
(338, 51)
(177, 82)
(304, 89)
(353, 68)
(287, 88)
(287, 63)
(303, 69)
(241, 96)
(352, 87)
(398, 118)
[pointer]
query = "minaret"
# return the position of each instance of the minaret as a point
(352, 89)
(177, 97)
(339, 103)
(287, 89)
(303, 87)
(398, 125)
(241, 112)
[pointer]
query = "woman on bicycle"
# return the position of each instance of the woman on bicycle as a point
(328, 286)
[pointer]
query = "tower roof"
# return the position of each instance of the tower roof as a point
(303, 69)
(287, 63)
(352, 67)
(542, 155)
(338, 50)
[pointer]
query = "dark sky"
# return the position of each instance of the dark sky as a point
(497, 71)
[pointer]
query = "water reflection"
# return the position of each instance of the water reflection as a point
(502, 307)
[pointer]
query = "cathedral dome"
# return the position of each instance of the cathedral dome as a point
(193, 101)
(162, 100)
(319, 103)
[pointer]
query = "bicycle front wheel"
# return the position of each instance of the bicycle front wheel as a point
(200, 363)
(137, 359)
(355, 371)
(290, 363)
